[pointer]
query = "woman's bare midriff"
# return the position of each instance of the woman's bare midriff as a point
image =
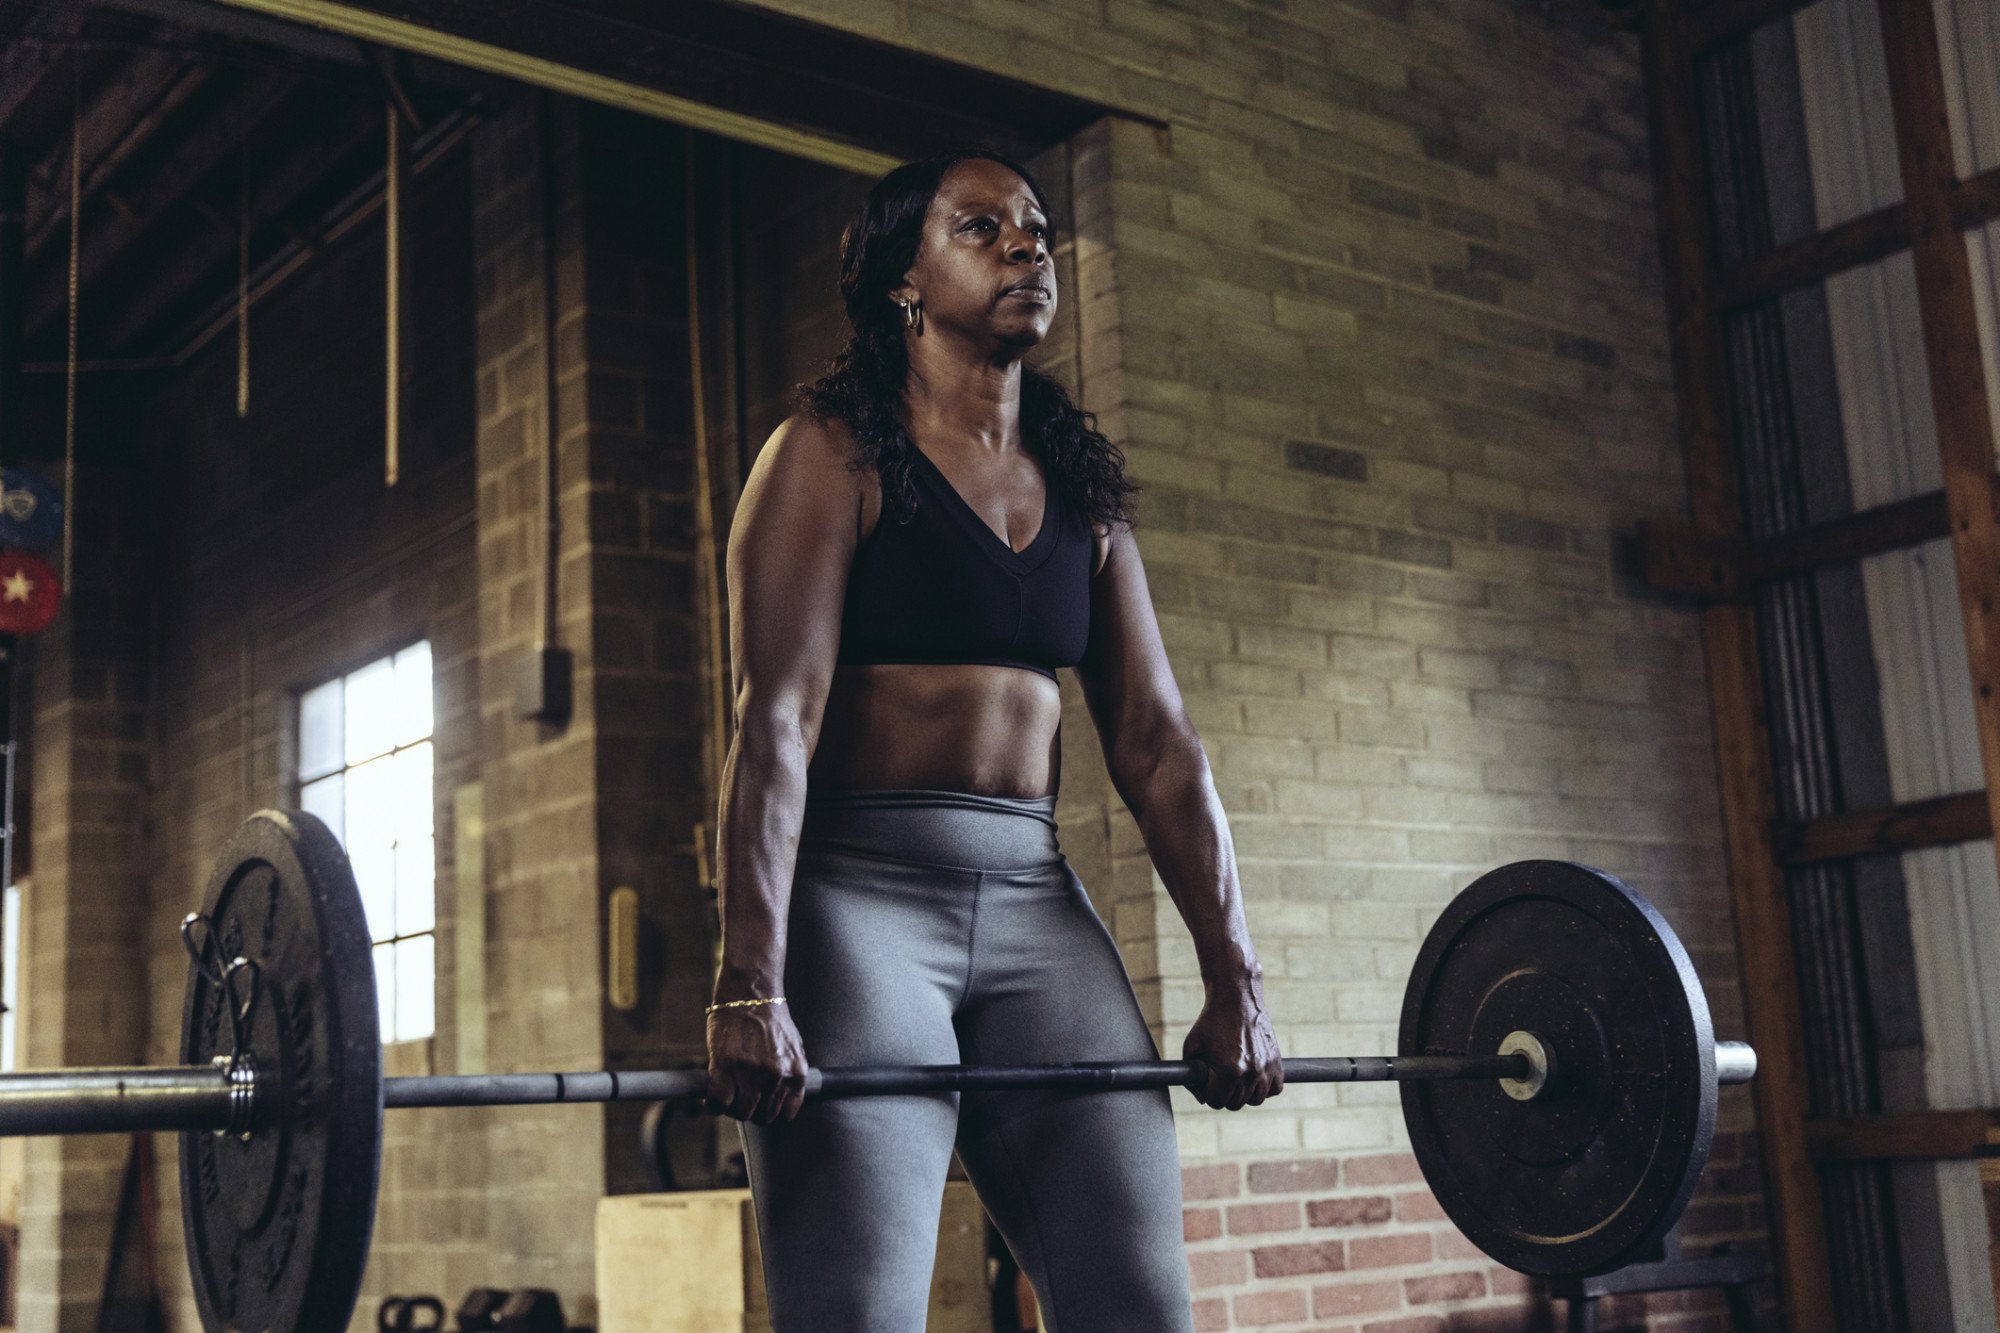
(994, 730)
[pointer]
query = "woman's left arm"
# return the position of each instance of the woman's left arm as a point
(1161, 772)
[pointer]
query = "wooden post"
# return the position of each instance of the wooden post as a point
(1951, 353)
(1742, 739)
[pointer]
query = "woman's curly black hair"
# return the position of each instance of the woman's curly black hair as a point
(864, 386)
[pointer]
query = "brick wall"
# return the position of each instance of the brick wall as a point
(1386, 346)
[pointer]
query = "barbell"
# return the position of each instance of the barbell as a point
(1556, 1059)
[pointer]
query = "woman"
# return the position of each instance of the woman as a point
(914, 556)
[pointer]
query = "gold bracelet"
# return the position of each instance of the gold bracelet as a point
(744, 1004)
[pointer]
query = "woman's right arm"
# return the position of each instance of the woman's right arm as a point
(790, 548)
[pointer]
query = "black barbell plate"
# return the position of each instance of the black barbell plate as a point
(278, 1225)
(1585, 1177)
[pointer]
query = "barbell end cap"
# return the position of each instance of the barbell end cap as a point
(1735, 1062)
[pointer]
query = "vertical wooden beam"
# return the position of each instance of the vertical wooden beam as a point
(1951, 352)
(1736, 690)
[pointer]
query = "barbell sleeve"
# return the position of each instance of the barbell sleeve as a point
(1735, 1062)
(117, 1101)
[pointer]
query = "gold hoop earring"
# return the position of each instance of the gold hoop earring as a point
(910, 315)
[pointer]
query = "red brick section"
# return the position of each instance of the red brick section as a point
(1260, 1309)
(1356, 1298)
(1350, 1212)
(1218, 1268)
(1221, 1181)
(1385, 1169)
(1418, 1206)
(1211, 1315)
(1428, 1323)
(1294, 1177)
(1391, 1251)
(1320, 1256)
(1393, 1261)
(1251, 1218)
(1445, 1287)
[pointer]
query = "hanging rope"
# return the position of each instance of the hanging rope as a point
(69, 397)
(715, 746)
(393, 303)
(243, 274)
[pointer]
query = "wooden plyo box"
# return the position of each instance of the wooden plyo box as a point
(688, 1263)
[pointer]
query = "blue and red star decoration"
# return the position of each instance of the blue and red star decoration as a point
(31, 521)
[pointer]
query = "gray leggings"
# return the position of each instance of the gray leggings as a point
(939, 927)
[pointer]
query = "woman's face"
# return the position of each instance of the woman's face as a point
(982, 266)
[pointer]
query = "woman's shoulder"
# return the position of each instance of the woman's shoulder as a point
(818, 457)
(815, 441)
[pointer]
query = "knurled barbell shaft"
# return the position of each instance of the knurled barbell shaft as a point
(882, 1080)
(193, 1097)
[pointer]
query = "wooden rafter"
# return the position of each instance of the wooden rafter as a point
(1864, 240)
(1815, 258)
(1729, 645)
(1908, 1135)
(1938, 822)
(1679, 559)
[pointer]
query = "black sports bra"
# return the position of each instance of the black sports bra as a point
(943, 587)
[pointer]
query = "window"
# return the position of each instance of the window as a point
(365, 768)
(10, 975)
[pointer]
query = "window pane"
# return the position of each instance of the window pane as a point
(1844, 91)
(413, 796)
(371, 711)
(385, 988)
(415, 894)
(10, 958)
(1954, 906)
(416, 987)
(1969, 40)
(322, 737)
(327, 799)
(413, 694)
(1798, 133)
(1831, 397)
(371, 839)
(1918, 635)
(1983, 247)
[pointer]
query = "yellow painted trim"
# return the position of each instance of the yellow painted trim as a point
(404, 35)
